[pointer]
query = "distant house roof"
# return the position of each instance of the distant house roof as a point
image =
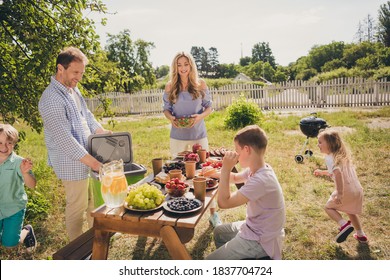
(242, 78)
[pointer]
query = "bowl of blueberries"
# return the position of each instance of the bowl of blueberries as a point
(183, 205)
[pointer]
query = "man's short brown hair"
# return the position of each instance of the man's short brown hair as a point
(70, 54)
(253, 136)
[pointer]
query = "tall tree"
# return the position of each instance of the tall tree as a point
(198, 53)
(31, 35)
(262, 52)
(212, 61)
(384, 24)
(133, 57)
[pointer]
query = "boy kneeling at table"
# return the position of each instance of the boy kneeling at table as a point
(262, 232)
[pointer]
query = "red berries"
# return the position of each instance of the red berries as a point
(217, 164)
(176, 188)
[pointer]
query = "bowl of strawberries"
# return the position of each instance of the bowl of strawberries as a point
(176, 188)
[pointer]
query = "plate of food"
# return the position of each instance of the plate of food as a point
(129, 207)
(211, 184)
(145, 197)
(182, 205)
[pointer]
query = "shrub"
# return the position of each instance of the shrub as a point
(241, 113)
(38, 206)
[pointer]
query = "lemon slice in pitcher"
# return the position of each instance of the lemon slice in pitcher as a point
(107, 180)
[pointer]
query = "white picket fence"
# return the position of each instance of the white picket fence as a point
(344, 92)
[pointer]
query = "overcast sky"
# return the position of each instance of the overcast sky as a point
(291, 27)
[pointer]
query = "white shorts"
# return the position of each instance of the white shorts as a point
(178, 146)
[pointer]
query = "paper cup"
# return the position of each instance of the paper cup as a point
(157, 165)
(199, 188)
(175, 173)
(190, 169)
(202, 155)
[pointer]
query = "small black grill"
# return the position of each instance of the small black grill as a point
(311, 127)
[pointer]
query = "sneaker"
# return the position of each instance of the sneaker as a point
(345, 230)
(215, 220)
(30, 241)
(361, 239)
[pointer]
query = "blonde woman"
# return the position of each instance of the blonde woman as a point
(187, 95)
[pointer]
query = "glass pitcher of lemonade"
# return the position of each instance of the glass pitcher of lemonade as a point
(113, 183)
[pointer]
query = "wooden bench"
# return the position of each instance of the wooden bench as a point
(78, 249)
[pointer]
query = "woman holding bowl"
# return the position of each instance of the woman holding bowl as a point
(186, 95)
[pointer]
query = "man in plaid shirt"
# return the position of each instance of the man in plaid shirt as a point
(67, 124)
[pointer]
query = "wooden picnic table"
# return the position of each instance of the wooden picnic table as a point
(174, 229)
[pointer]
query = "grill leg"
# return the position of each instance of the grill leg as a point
(304, 145)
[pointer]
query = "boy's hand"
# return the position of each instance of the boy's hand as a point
(229, 160)
(26, 165)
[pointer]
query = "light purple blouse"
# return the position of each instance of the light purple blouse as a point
(184, 107)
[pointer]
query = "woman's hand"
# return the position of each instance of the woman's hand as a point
(173, 121)
(197, 118)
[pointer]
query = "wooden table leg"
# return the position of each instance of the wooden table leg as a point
(101, 243)
(176, 249)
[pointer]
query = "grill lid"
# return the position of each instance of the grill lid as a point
(109, 147)
(312, 120)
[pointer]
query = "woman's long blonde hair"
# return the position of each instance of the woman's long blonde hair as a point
(193, 79)
(337, 147)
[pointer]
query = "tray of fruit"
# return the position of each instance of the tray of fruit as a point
(185, 122)
(143, 198)
(183, 205)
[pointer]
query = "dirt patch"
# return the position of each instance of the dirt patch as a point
(379, 123)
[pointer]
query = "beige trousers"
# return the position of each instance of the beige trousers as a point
(78, 201)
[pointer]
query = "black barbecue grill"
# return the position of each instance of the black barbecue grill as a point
(311, 127)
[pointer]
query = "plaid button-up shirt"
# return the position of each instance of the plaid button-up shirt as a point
(64, 133)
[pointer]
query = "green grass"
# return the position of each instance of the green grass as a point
(309, 231)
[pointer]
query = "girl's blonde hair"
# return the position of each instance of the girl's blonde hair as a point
(193, 79)
(10, 132)
(337, 147)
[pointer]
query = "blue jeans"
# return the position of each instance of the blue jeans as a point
(230, 246)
